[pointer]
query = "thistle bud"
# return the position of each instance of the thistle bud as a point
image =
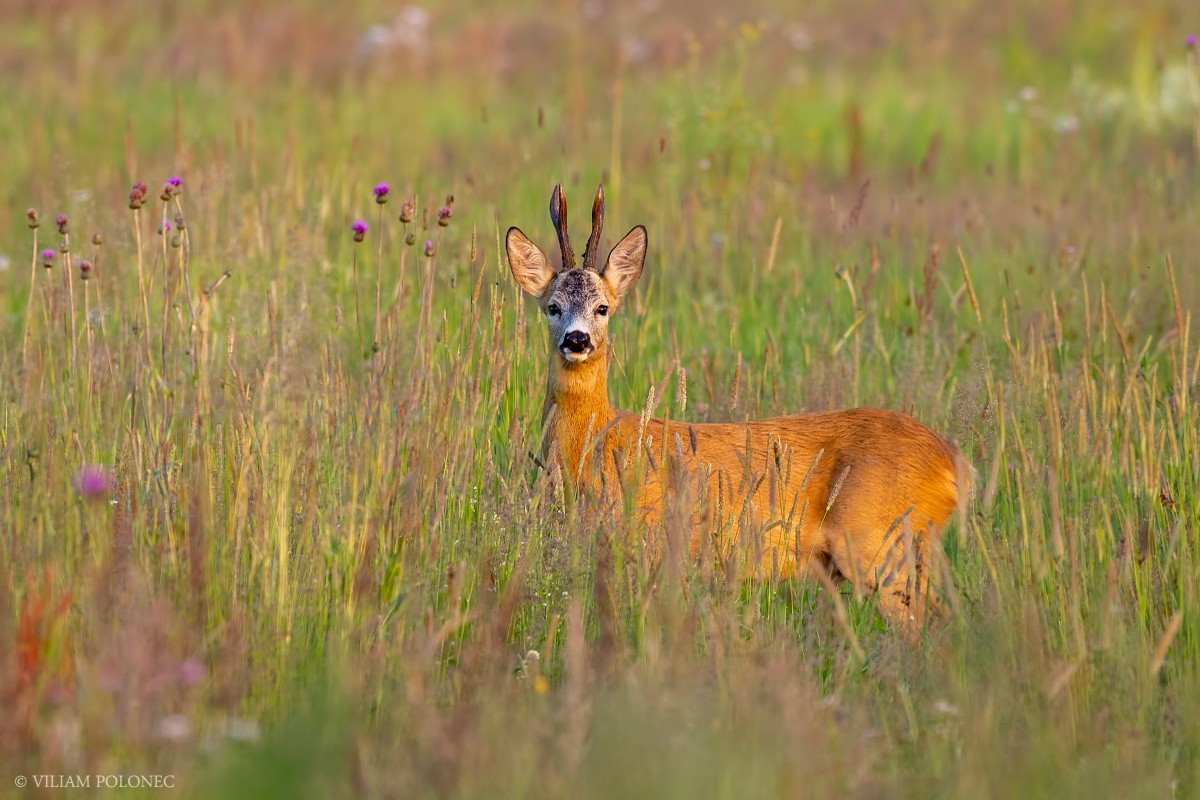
(32, 219)
(85, 269)
(179, 224)
(429, 248)
(444, 214)
(411, 239)
(64, 225)
(97, 238)
(137, 195)
(48, 258)
(407, 211)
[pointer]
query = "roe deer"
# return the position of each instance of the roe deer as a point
(858, 495)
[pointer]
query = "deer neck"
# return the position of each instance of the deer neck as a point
(576, 407)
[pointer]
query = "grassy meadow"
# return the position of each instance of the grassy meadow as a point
(271, 521)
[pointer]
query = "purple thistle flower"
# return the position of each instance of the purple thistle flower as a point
(93, 482)
(1192, 41)
(48, 258)
(359, 228)
(85, 269)
(381, 193)
(444, 214)
(175, 181)
(429, 247)
(191, 672)
(64, 225)
(166, 227)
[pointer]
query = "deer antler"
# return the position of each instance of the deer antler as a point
(558, 215)
(593, 244)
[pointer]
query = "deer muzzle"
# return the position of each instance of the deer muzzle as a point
(576, 345)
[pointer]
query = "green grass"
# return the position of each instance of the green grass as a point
(326, 572)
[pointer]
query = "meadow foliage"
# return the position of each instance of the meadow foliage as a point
(270, 400)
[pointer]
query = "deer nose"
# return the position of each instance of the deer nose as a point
(577, 341)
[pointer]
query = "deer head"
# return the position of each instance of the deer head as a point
(577, 301)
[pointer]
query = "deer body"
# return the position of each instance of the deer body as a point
(856, 494)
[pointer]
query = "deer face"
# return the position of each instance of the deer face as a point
(577, 301)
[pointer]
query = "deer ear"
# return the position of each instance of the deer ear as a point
(624, 265)
(528, 264)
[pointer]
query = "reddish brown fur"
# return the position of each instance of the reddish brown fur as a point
(858, 494)
(901, 483)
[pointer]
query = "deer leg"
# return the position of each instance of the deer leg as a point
(893, 568)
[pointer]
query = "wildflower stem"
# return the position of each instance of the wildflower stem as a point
(33, 263)
(108, 359)
(185, 235)
(357, 312)
(87, 332)
(1193, 61)
(71, 293)
(378, 283)
(137, 233)
(164, 233)
(399, 293)
(185, 264)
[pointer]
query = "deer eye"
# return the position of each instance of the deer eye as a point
(553, 310)
(602, 310)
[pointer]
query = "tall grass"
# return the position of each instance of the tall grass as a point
(247, 549)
